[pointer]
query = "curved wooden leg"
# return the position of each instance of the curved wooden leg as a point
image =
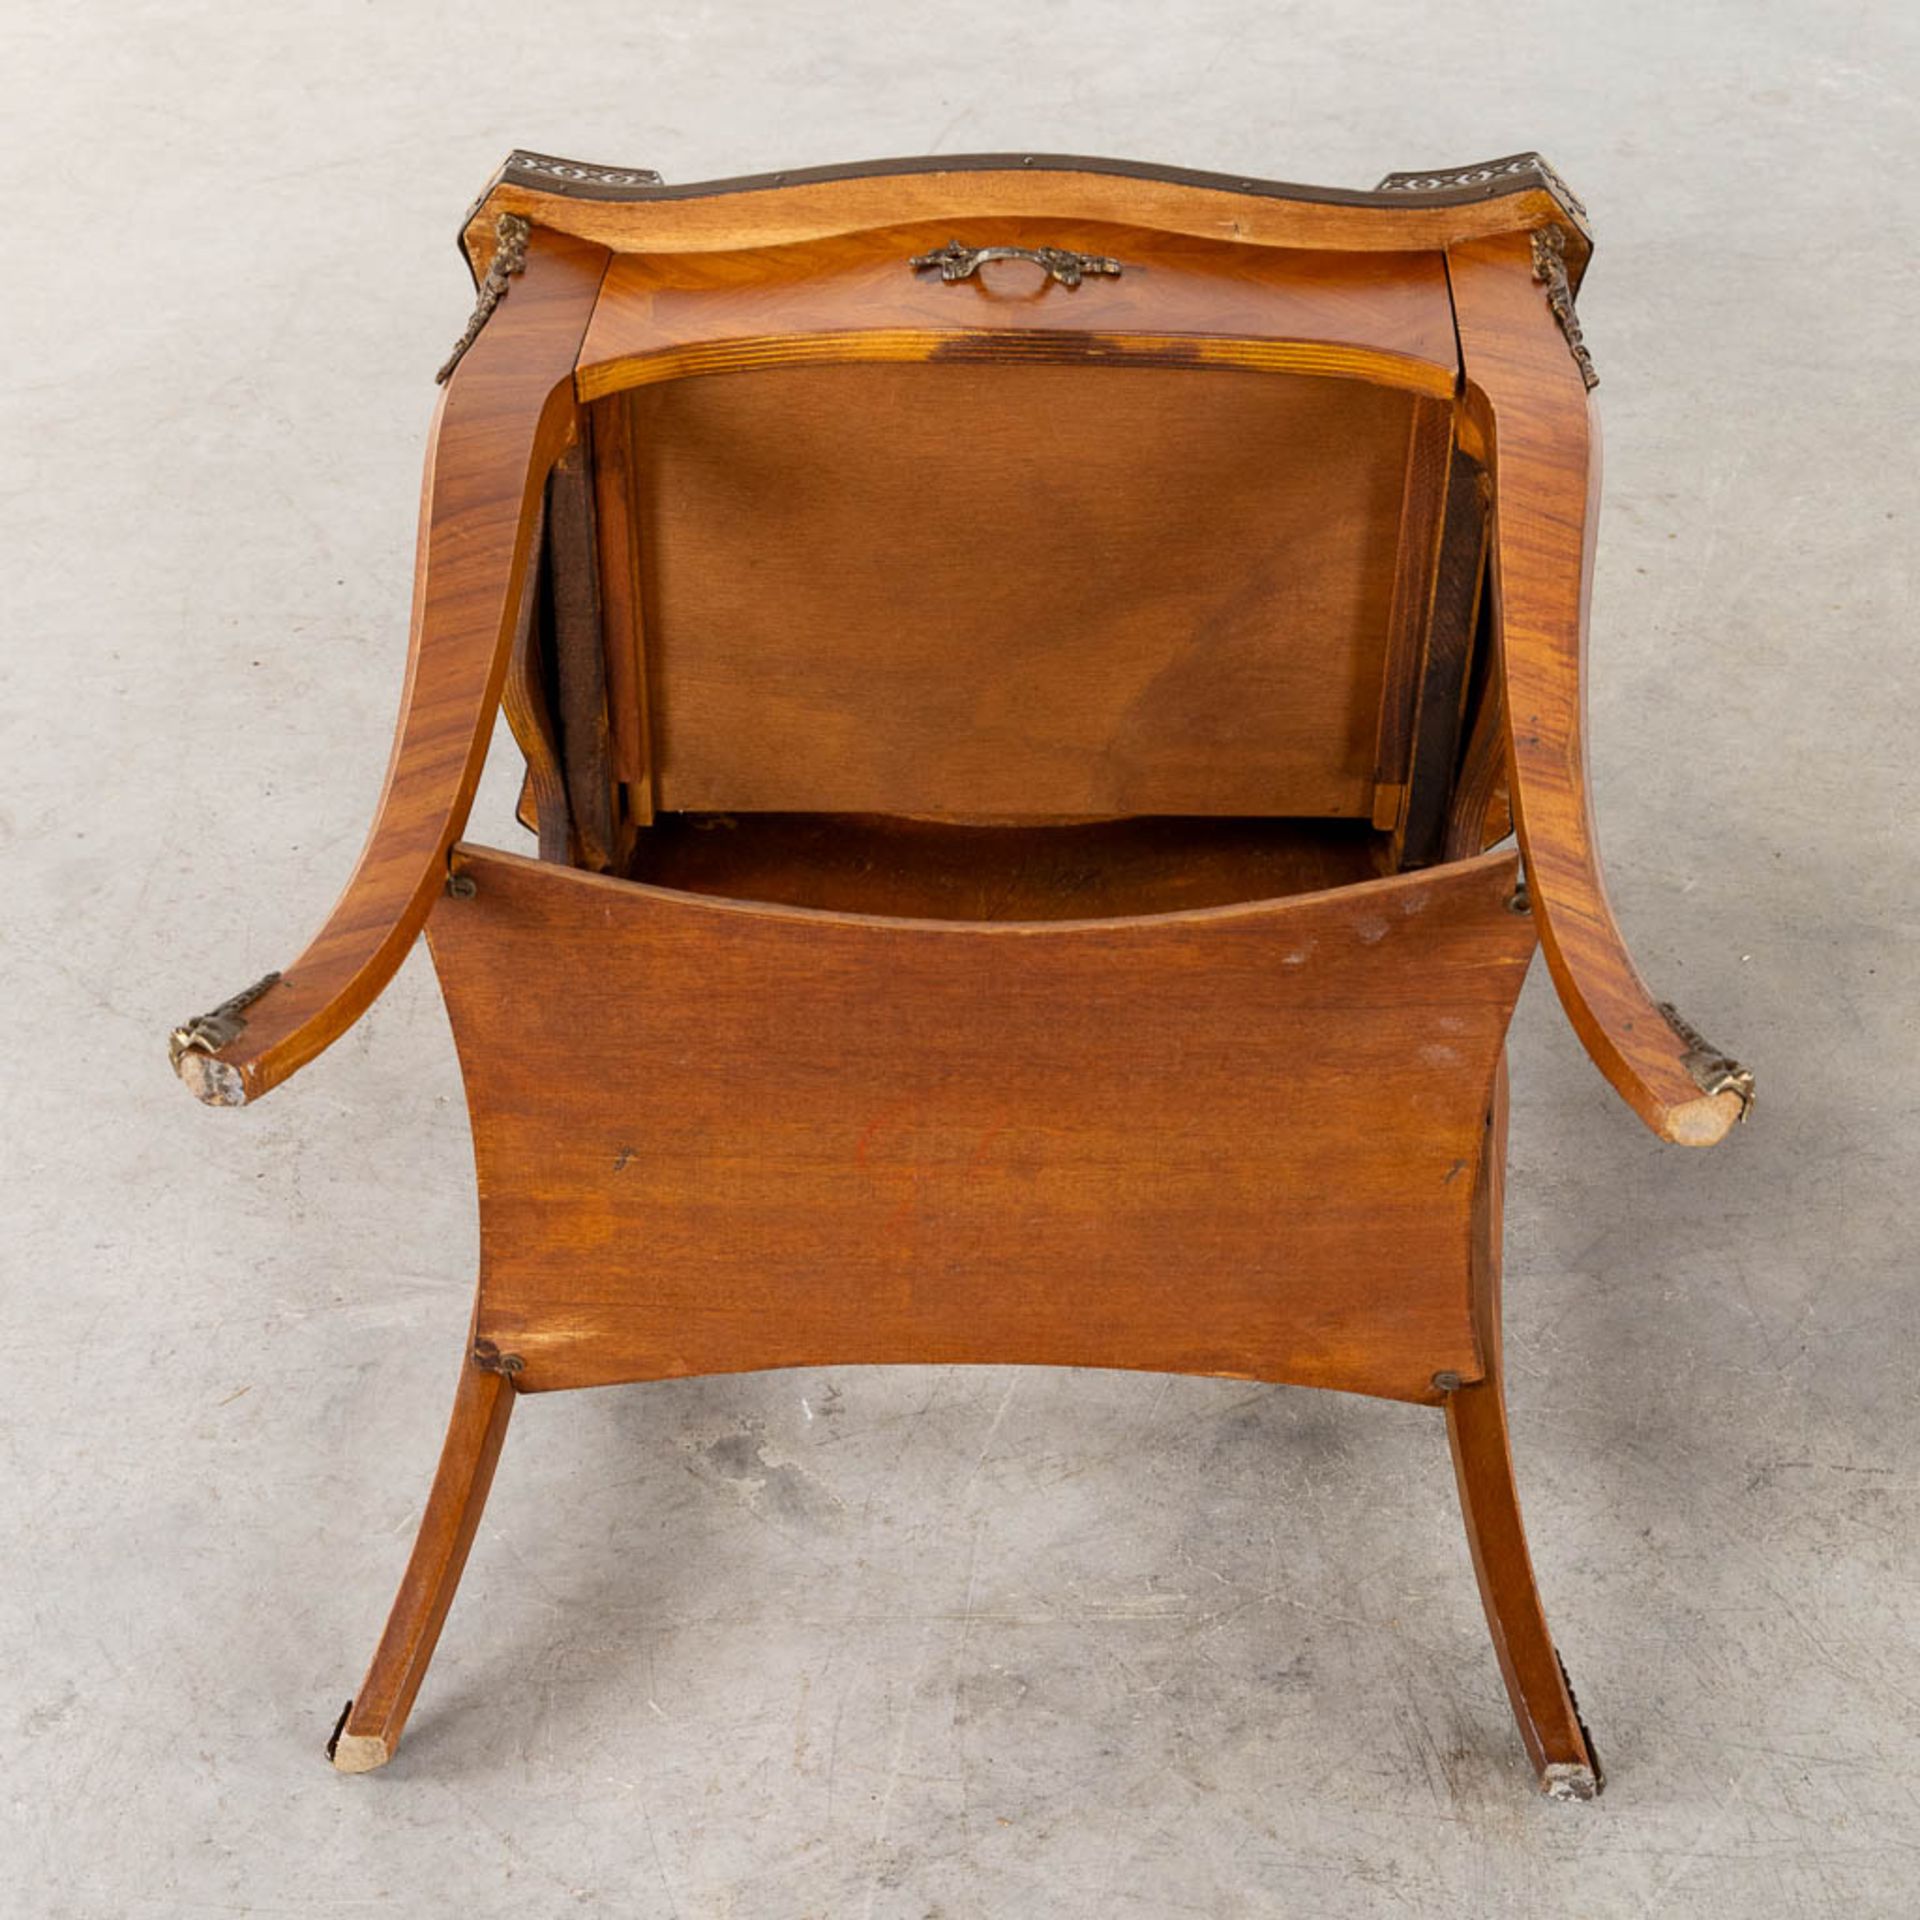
(369, 1729)
(1526, 400)
(1543, 1703)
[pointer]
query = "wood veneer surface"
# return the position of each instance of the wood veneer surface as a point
(1018, 590)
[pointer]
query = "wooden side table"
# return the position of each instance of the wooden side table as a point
(1028, 668)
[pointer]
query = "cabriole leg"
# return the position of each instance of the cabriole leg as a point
(370, 1728)
(1543, 1704)
(1556, 1739)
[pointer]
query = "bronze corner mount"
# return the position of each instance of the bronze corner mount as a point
(193, 1045)
(1712, 1071)
(209, 1032)
(1492, 177)
(1550, 269)
(511, 233)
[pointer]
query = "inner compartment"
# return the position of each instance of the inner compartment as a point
(966, 641)
(943, 870)
(991, 590)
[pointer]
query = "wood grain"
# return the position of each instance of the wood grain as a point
(726, 217)
(1034, 685)
(1480, 809)
(577, 650)
(936, 870)
(1444, 667)
(723, 1136)
(502, 419)
(856, 297)
(1543, 1704)
(367, 1736)
(1018, 591)
(528, 707)
(1535, 416)
(1421, 514)
(625, 621)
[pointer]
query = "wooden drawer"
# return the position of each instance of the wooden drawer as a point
(1159, 541)
(1177, 299)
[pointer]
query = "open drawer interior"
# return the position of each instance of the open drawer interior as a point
(945, 870)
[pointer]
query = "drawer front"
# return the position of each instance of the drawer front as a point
(1173, 298)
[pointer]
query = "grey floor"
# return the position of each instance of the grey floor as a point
(935, 1643)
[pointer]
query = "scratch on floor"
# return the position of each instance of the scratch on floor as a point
(895, 1769)
(993, 1427)
(1711, 1831)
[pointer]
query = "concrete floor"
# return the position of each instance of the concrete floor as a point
(940, 1642)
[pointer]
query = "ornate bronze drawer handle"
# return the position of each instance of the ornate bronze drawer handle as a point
(960, 263)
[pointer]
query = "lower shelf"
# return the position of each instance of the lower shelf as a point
(725, 1134)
